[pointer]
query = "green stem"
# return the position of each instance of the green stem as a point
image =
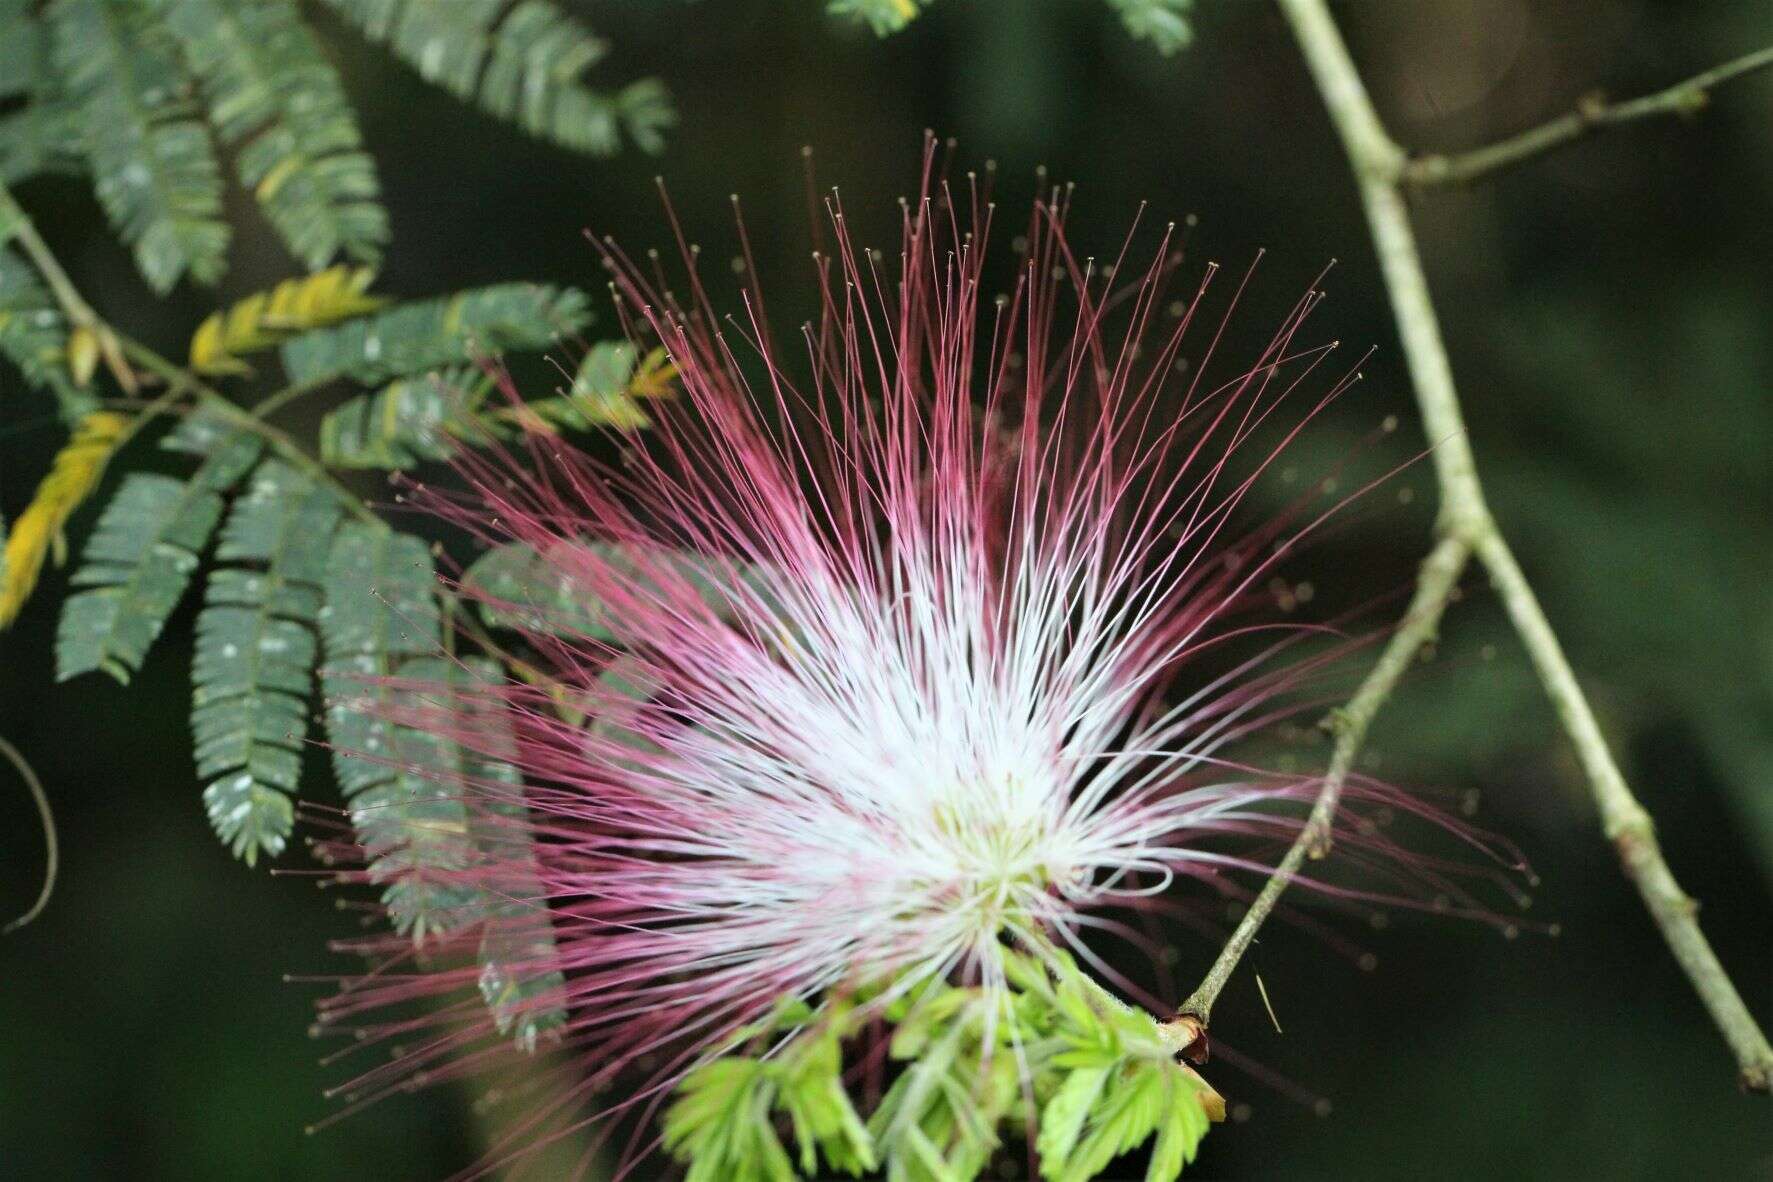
(16, 222)
(1591, 114)
(1439, 575)
(1466, 527)
(119, 350)
(180, 380)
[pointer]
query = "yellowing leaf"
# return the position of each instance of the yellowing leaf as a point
(72, 476)
(83, 354)
(265, 319)
(606, 392)
(653, 376)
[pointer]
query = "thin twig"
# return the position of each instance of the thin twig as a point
(1439, 575)
(1466, 526)
(119, 350)
(1594, 112)
(179, 379)
(1625, 822)
(52, 849)
(14, 221)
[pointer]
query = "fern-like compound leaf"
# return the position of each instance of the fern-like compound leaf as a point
(272, 95)
(523, 62)
(408, 420)
(252, 677)
(266, 318)
(402, 783)
(38, 138)
(428, 334)
(139, 560)
(153, 165)
(517, 587)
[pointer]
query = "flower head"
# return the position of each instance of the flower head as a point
(868, 670)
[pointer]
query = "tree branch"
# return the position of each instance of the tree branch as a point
(1466, 527)
(1625, 822)
(1593, 112)
(1434, 585)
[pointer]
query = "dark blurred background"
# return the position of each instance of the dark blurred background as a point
(1609, 311)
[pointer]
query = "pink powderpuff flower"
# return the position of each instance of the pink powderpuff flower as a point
(933, 644)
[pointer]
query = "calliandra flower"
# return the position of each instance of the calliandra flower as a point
(881, 655)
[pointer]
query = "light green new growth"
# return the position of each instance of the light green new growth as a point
(1100, 1077)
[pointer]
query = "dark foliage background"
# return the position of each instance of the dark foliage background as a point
(1608, 311)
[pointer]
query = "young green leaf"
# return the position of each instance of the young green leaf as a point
(1062, 1118)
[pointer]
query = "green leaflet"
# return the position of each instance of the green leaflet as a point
(426, 334)
(402, 783)
(883, 16)
(533, 593)
(408, 420)
(423, 416)
(21, 50)
(272, 94)
(38, 138)
(722, 1121)
(1062, 1119)
(604, 392)
(1164, 23)
(523, 62)
(139, 560)
(939, 1121)
(34, 334)
(1102, 1081)
(1182, 1126)
(153, 166)
(252, 676)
